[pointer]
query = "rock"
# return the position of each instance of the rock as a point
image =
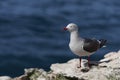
(70, 67)
(5, 78)
(103, 70)
(111, 60)
(111, 56)
(33, 74)
(36, 74)
(23, 77)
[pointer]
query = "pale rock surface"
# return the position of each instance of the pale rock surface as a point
(5, 78)
(22, 77)
(106, 68)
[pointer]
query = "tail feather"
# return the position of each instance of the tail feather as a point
(102, 42)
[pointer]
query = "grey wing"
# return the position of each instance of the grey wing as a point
(91, 45)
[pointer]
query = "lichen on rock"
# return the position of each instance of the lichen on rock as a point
(105, 69)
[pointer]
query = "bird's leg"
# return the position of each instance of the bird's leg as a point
(88, 61)
(79, 62)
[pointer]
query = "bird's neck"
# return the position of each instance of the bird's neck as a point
(74, 36)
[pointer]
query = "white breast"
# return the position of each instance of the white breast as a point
(76, 45)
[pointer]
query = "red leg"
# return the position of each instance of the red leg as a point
(80, 61)
(88, 61)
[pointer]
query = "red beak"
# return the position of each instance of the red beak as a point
(65, 29)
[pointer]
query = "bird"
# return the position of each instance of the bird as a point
(83, 46)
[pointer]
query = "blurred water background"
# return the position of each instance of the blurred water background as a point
(31, 31)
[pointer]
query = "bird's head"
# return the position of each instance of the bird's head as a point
(71, 27)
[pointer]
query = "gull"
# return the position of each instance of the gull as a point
(82, 46)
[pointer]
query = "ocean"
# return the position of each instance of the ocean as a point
(32, 35)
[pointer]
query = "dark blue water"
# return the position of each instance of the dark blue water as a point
(31, 31)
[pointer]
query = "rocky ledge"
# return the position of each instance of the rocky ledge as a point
(105, 69)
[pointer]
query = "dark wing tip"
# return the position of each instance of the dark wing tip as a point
(102, 42)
